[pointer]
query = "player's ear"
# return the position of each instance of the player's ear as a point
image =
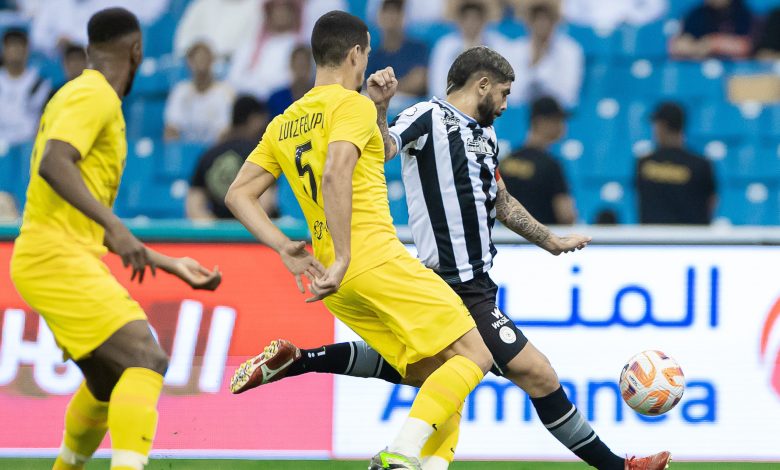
(136, 52)
(483, 86)
(354, 54)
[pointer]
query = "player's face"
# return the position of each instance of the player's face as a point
(493, 103)
(136, 57)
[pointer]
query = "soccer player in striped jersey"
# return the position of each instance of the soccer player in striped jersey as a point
(455, 193)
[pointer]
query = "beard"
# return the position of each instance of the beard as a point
(486, 111)
(130, 80)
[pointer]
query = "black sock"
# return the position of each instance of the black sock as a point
(564, 421)
(355, 359)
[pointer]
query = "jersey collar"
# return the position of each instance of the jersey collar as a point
(470, 119)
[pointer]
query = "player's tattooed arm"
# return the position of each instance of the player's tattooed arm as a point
(391, 149)
(515, 217)
(381, 87)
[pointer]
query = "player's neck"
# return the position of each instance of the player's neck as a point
(465, 103)
(116, 75)
(335, 76)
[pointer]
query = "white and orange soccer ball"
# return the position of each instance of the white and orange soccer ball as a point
(652, 383)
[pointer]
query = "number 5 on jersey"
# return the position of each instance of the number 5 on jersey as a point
(303, 169)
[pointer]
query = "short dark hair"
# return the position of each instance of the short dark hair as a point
(478, 60)
(71, 50)
(393, 4)
(477, 7)
(111, 24)
(15, 34)
(244, 107)
(671, 114)
(334, 34)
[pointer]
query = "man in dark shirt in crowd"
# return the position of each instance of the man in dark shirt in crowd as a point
(768, 44)
(532, 175)
(219, 166)
(409, 58)
(674, 185)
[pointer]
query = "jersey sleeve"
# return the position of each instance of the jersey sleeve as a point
(84, 114)
(263, 156)
(410, 125)
(354, 120)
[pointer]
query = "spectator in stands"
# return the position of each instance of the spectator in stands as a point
(416, 11)
(674, 185)
(409, 58)
(547, 62)
(768, 44)
(471, 19)
(219, 166)
(74, 61)
(608, 15)
(198, 110)
(302, 69)
(256, 67)
(532, 175)
(718, 28)
(227, 24)
(8, 210)
(22, 90)
(57, 24)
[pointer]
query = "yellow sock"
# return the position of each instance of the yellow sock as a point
(443, 442)
(86, 422)
(439, 398)
(132, 417)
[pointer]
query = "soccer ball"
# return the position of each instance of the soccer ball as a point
(652, 383)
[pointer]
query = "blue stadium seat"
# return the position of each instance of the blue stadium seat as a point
(762, 7)
(512, 126)
(22, 172)
(393, 169)
(397, 198)
(680, 8)
(750, 203)
(135, 190)
(158, 37)
(687, 81)
(594, 196)
(637, 117)
(9, 156)
(145, 117)
(600, 127)
(594, 43)
(178, 159)
(288, 205)
(602, 77)
(770, 125)
(717, 119)
(648, 41)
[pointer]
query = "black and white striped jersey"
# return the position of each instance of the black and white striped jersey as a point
(449, 170)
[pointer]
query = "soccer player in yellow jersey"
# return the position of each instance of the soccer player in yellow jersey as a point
(330, 149)
(77, 163)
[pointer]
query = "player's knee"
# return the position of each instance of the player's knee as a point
(158, 361)
(534, 374)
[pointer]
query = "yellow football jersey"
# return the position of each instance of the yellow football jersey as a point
(86, 113)
(296, 144)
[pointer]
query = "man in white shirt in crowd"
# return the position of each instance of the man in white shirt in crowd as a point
(546, 62)
(198, 110)
(23, 91)
(471, 19)
(259, 67)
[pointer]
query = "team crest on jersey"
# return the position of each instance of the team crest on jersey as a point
(452, 123)
(479, 145)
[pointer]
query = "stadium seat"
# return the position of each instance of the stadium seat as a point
(8, 166)
(145, 117)
(688, 81)
(178, 159)
(22, 173)
(595, 44)
(158, 37)
(646, 41)
(397, 197)
(600, 128)
(749, 203)
(594, 196)
(717, 119)
(680, 8)
(512, 126)
(770, 125)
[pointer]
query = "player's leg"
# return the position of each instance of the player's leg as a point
(86, 423)
(127, 371)
(439, 451)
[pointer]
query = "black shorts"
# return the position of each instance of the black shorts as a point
(499, 332)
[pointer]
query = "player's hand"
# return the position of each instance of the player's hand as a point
(119, 240)
(381, 86)
(328, 283)
(197, 276)
(300, 262)
(568, 244)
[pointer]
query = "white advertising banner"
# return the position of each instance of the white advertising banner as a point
(716, 310)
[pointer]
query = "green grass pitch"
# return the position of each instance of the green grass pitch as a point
(176, 464)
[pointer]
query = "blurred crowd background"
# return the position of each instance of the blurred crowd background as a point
(623, 111)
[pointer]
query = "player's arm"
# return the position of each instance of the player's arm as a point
(58, 168)
(188, 270)
(337, 199)
(242, 199)
(516, 218)
(381, 87)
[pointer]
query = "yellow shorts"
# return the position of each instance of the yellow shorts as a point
(403, 310)
(82, 303)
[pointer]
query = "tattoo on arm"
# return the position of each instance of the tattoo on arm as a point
(517, 219)
(381, 120)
